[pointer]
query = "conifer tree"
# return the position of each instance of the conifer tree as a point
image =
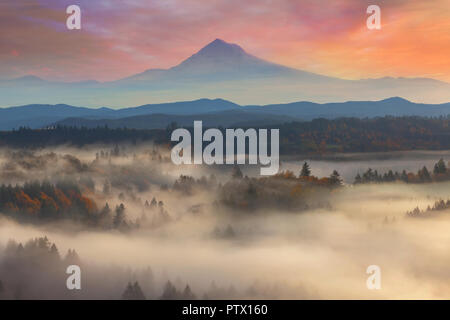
(306, 171)
(335, 178)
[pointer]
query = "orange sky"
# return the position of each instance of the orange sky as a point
(120, 38)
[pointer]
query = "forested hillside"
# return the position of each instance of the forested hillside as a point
(318, 136)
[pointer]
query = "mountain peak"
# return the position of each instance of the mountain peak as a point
(220, 57)
(219, 47)
(218, 41)
(396, 100)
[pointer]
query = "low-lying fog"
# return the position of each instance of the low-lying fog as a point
(310, 254)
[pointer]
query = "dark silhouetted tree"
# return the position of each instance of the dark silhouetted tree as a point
(133, 292)
(119, 218)
(335, 178)
(170, 292)
(440, 167)
(306, 171)
(424, 175)
(187, 294)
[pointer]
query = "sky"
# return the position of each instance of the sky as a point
(121, 38)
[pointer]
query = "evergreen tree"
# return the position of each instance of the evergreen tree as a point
(440, 167)
(187, 294)
(170, 292)
(139, 295)
(390, 176)
(119, 218)
(128, 293)
(54, 252)
(133, 292)
(105, 218)
(306, 171)
(424, 175)
(335, 178)
(72, 258)
(404, 176)
(106, 211)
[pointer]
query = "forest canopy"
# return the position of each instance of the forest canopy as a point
(319, 136)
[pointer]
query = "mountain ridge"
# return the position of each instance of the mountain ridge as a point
(220, 69)
(39, 116)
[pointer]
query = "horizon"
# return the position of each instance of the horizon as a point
(214, 99)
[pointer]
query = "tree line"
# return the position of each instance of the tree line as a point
(318, 136)
(440, 172)
(38, 202)
(438, 206)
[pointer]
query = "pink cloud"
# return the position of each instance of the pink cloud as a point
(120, 38)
